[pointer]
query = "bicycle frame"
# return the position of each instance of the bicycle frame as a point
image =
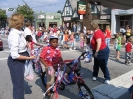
(77, 76)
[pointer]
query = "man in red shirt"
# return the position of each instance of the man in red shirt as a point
(100, 52)
(50, 57)
(128, 48)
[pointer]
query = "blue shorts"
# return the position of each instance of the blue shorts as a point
(72, 44)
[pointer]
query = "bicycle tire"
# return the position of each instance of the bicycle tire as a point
(87, 89)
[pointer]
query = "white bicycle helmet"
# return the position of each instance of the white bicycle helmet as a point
(53, 36)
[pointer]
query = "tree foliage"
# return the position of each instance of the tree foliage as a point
(59, 11)
(2, 14)
(26, 11)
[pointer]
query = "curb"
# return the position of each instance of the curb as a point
(117, 89)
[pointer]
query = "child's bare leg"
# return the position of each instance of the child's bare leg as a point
(48, 86)
(118, 55)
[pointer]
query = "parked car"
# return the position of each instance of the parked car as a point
(1, 44)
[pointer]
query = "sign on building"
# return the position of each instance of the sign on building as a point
(67, 18)
(49, 17)
(81, 7)
(41, 17)
(105, 17)
(123, 12)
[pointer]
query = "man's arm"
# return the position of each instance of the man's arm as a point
(38, 45)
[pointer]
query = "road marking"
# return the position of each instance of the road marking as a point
(3, 58)
(5, 51)
(70, 51)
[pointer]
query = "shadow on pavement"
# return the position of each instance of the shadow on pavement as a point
(39, 82)
(118, 61)
(27, 88)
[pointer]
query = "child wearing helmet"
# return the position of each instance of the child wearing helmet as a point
(50, 57)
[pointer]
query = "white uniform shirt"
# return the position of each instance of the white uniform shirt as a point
(27, 31)
(16, 42)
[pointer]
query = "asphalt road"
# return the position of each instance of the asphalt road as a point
(34, 89)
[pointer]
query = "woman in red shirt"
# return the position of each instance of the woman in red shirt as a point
(100, 52)
(107, 35)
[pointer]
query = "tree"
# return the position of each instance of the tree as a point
(26, 11)
(59, 11)
(3, 14)
(3, 17)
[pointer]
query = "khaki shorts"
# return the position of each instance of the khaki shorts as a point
(51, 78)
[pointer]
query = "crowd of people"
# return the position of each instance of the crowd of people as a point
(94, 39)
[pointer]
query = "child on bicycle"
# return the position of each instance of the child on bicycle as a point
(31, 44)
(50, 57)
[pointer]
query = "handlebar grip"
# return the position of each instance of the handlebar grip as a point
(68, 64)
(83, 53)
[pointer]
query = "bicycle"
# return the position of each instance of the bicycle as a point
(72, 77)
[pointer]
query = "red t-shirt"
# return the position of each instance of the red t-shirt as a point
(128, 47)
(39, 34)
(98, 34)
(52, 56)
(55, 30)
(32, 45)
(108, 35)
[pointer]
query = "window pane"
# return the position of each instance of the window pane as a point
(122, 17)
(122, 23)
(126, 23)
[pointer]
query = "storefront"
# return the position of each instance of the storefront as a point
(121, 18)
(70, 17)
(48, 19)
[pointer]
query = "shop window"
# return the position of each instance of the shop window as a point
(125, 17)
(128, 17)
(122, 23)
(122, 17)
(52, 24)
(94, 8)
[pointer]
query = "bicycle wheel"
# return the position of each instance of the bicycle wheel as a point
(85, 91)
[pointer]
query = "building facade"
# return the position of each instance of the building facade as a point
(121, 18)
(94, 12)
(47, 19)
(70, 15)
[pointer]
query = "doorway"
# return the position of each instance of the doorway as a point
(51, 24)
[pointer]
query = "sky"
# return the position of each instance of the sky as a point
(36, 5)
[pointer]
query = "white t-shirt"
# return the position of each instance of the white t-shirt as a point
(69, 32)
(27, 31)
(122, 30)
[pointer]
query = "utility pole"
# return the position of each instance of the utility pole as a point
(27, 7)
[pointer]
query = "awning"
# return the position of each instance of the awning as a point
(116, 4)
(101, 21)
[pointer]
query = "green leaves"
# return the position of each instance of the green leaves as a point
(26, 11)
(2, 14)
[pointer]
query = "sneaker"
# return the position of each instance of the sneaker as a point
(107, 81)
(128, 64)
(74, 48)
(94, 78)
(47, 97)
